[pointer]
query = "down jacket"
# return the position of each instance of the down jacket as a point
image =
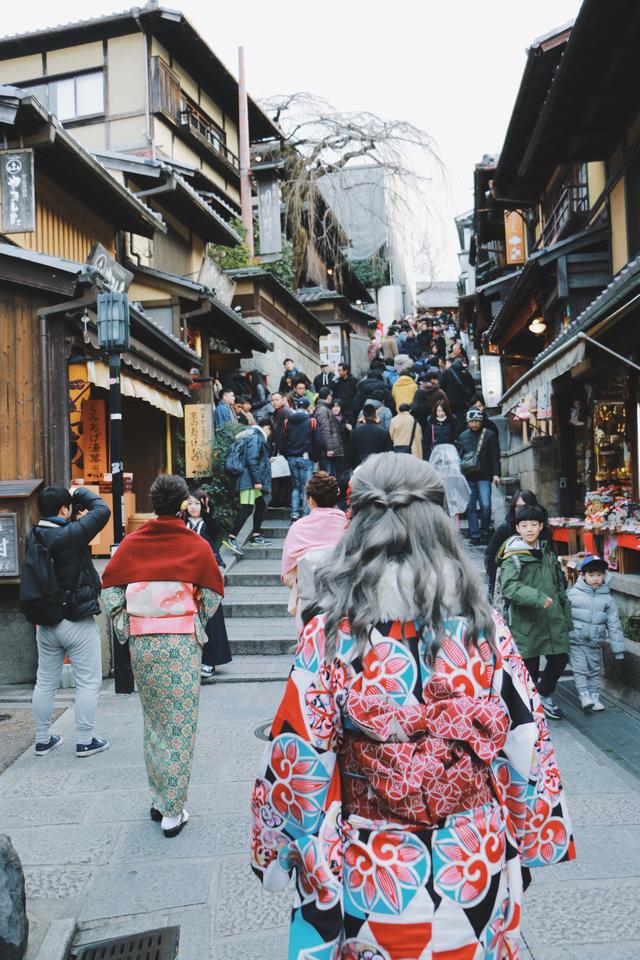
(329, 429)
(68, 544)
(595, 616)
(257, 461)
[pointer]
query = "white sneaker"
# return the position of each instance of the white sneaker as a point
(586, 701)
(597, 705)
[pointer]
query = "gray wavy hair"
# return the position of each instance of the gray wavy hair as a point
(401, 558)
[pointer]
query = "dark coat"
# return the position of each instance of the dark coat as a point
(436, 432)
(369, 384)
(216, 650)
(367, 439)
(69, 547)
(459, 386)
(345, 391)
(300, 435)
(323, 380)
(489, 460)
(328, 426)
(257, 460)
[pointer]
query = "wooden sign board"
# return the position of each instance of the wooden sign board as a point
(17, 184)
(197, 439)
(514, 236)
(9, 562)
(94, 440)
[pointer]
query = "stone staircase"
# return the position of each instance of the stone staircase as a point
(255, 608)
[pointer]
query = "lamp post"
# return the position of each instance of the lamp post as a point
(113, 337)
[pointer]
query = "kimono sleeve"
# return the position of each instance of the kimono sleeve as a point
(526, 775)
(296, 798)
(114, 599)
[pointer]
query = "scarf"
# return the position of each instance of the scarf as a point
(323, 527)
(164, 549)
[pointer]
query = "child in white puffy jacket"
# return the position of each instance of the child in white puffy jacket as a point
(595, 622)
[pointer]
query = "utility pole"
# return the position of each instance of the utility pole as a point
(245, 155)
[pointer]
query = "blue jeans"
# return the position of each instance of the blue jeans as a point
(328, 464)
(301, 471)
(479, 490)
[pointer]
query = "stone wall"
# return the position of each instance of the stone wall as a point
(532, 466)
(306, 359)
(359, 347)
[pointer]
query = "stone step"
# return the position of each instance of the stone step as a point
(278, 513)
(259, 573)
(264, 636)
(271, 552)
(253, 601)
(253, 668)
(275, 529)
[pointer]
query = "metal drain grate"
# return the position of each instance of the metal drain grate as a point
(161, 944)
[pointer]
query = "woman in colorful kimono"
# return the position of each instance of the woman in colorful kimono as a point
(410, 778)
(162, 585)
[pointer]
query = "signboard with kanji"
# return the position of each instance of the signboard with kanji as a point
(514, 236)
(94, 440)
(18, 207)
(9, 563)
(197, 439)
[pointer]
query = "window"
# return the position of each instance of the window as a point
(73, 97)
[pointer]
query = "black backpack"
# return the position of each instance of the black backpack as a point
(42, 599)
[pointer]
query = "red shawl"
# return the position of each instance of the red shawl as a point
(164, 549)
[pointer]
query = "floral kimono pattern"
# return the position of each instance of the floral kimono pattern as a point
(363, 793)
(166, 667)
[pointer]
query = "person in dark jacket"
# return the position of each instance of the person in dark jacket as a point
(331, 444)
(370, 385)
(346, 432)
(506, 529)
(459, 386)
(479, 404)
(323, 379)
(301, 450)
(368, 438)
(423, 340)
(290, 375)
(432, 387)
(442, 427)
(254, 483)
(344, 390)
(67, 526)
(202, 521)
(477, 439)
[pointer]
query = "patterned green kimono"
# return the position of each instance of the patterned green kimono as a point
(166, 667)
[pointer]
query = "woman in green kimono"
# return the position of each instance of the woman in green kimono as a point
(161, 587)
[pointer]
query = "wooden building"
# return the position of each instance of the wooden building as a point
(348, 327)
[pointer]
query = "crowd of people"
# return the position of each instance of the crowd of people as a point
(418, 394)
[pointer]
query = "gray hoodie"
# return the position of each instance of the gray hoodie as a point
(595, 616)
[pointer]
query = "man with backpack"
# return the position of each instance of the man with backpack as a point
(301, 450)
(480, 463)
(59, 592)
(248, 461)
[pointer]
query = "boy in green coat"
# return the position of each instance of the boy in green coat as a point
(534, 587)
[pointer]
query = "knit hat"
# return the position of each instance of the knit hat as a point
(593, 562)
(474, 414)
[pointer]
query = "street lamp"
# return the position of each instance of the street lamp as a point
(113, 337)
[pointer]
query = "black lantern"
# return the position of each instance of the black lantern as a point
(113, 321)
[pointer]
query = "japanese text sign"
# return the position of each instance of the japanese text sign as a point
(9, 565)
(18, 209)
(197, 439)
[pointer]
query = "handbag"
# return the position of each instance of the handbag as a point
(280, 467)
(470, 461)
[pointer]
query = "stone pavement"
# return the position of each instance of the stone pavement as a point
(91, 853)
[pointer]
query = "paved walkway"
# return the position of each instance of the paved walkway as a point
(90, 851)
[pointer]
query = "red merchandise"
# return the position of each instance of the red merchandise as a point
(164, 549)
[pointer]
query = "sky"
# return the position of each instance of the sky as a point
(451, 67)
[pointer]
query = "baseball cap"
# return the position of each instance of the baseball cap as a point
(474, 414)
(301, 403)
(592, 562)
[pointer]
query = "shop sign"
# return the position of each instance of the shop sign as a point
(544, 402)
(114, 276)
(514, 236)
(269, 216)
(216, 279)
(197, 439)
(331, 350)
(79, 390)
(94, 440)
(491, 378)
(18, 209)
(9, 565)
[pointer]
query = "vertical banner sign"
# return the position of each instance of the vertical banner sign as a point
(9, 565)
(544, 402)
(491, 378)
(94, 440)
(79, 389)
(18, 209)
(269, 216)
(514, 236)
(197, 439)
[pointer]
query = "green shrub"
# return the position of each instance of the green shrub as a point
(218, 486)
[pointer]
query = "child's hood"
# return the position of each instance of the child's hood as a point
(514, 547)
(582, 585)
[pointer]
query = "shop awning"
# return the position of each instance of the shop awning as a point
(555, 364)
(131, 386)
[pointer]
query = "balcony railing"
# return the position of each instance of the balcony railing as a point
(204, 130)
(572, 206)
